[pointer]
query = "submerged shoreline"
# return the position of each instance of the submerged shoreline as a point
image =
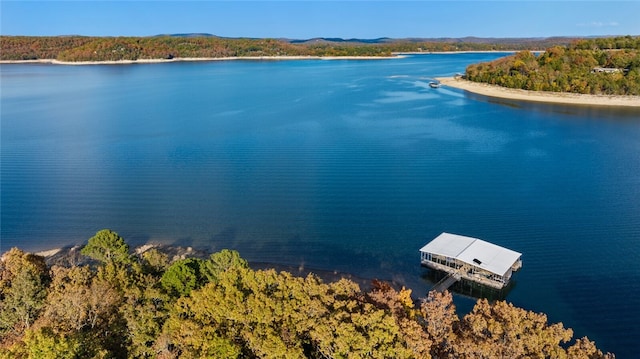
(540, 96)
(70, 255)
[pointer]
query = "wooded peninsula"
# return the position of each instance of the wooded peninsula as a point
(106, 301)
(602, 66)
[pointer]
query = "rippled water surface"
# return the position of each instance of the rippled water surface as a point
(336, 165)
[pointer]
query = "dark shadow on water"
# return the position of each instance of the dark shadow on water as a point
(226, 237)
(137, 240)
(470, 289)
(327, 276)
(586, 111)
(183, 242)
(300, 256)
(597, 307)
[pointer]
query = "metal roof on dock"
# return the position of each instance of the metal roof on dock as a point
(473, 251)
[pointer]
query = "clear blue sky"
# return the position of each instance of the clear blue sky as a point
(308, 19)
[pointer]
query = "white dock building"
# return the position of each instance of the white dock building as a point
(472, 259)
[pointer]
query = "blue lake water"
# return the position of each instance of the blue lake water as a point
(336, 165)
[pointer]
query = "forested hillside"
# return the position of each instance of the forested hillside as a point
(606, 66)
(147, 305)
(80, 48)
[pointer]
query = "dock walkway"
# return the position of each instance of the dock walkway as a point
(446, 282)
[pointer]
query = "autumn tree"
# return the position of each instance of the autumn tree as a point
(182, 277)
(23, 287)
(407, 317)
(438, 315)
(504, 331)
(107, 247)
(586, 349)
(220, 262)
(144, 311)
(269, 314)
(45, 343)
(154, 262)
(80, 305)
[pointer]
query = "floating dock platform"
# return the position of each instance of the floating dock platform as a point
(472, 259)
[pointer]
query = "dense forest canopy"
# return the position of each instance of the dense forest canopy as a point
(81, 48)
(604, 66)
(148, 305)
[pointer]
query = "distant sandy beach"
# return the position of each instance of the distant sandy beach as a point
(459, 52)
(395, 55)
(190, 59)
(540, 96)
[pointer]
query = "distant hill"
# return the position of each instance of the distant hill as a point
(192, 34)
(535, 41)
(547, 41)
(316, 40)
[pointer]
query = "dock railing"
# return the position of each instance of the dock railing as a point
(462, 272)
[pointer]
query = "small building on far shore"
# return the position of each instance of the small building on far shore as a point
(606, 70)
(471, 259)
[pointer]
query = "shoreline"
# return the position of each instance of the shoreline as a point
(540, 96)
(70, 255)
(394, 55)
(197, 59)
(460, 52)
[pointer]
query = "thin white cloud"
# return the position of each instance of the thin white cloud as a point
(599, 24)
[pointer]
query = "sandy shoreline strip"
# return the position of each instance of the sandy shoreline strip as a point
(459, 52)
(395, 55)
(540, 96)
(49, 253)
(196, 59)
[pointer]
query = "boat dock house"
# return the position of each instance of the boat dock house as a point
(471, 259)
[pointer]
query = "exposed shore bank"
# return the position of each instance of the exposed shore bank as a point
(196, 59)
(540, 96)
(459, 52)
(395, 55)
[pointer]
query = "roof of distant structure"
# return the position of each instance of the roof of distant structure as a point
(491, 257)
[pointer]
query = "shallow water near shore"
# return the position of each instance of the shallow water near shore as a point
(347, 166)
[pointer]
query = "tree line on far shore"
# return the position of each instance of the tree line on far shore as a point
(603, 66)
(146, 305)
(83, 48)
